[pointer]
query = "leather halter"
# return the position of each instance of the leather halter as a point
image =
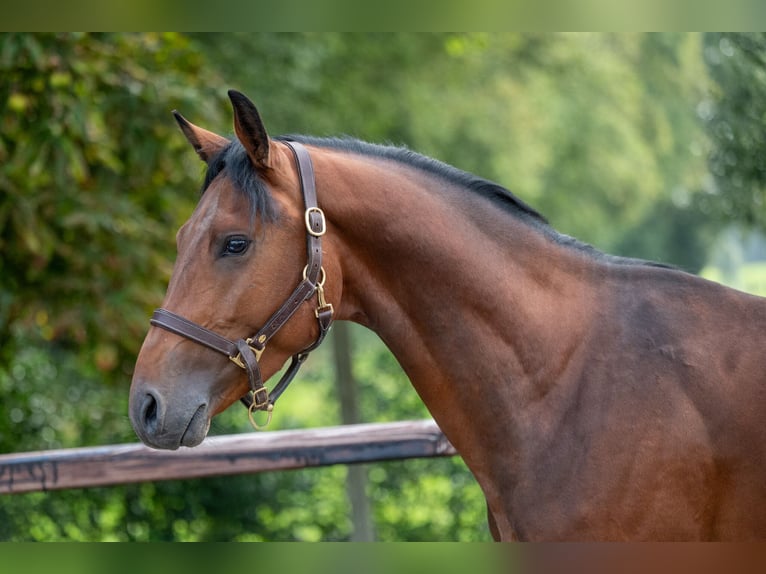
(246, 352)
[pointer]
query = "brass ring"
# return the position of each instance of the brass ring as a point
(322, 275)
(269, 411)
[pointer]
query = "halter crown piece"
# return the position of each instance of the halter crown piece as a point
(246, 352)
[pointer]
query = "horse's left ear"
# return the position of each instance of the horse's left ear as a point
(250, 130)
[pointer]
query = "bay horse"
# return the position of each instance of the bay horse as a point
(593, 397)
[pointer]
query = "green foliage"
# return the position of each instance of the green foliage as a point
(748, 277)
(739, 260)
(735, 114)
(92, 183)
(328, 83)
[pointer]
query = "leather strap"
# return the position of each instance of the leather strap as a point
(245, 352)
(325, 320)
(181, 326)
(315, 227)
(302, 293)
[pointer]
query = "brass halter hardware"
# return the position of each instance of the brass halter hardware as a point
(246, 353)
(323, 222)
(322, 305)
(269, 408)
(237, 360)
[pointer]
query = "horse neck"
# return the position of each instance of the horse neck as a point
(481, 308)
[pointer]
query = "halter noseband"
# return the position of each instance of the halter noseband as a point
(245, 353)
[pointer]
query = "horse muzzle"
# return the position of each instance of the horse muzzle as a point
(185, 424)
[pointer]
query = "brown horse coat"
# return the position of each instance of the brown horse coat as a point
(593, 397)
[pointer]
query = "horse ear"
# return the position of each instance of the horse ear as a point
(205, 143)
(250, 130)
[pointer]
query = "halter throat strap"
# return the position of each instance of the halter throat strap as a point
(246, 352)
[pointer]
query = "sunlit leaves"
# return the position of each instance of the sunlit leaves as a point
(93, 181)
(735, 115)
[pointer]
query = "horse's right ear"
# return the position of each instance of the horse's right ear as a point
(205, 143)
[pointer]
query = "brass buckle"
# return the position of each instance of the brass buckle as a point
(307, 219)
(237, 360)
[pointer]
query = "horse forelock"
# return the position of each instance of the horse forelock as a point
(233, 163)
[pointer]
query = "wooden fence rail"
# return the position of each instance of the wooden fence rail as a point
(223, 455)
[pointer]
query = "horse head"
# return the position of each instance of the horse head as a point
(239, 257)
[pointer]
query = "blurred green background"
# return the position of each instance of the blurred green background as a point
(646, 145)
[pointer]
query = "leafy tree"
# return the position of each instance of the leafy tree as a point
(673, 228)
(735, 114)
(328, 83)
(93, 179)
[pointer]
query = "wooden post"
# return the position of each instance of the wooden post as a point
(356, 479)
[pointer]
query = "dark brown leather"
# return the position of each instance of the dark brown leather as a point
(181, 326)
(303, 292)
(316, 222)
(260, 393)
(313, 276)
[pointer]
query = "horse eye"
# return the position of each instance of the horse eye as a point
(236, 246)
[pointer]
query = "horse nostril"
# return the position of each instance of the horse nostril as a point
(149, 413)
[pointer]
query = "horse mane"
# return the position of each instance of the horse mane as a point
(233, 160)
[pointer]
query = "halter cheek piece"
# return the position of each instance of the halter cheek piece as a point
(245, 353)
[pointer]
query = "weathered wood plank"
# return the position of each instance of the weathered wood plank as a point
(223, 455)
